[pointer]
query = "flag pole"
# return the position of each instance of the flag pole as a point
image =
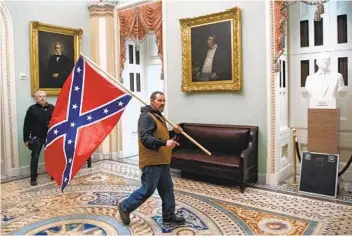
(113, 80)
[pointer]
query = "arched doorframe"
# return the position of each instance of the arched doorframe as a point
(8, 129)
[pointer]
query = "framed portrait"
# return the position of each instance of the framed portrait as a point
(211, 52)
(54, 51)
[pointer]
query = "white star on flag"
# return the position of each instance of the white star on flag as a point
(74, 106)
(72, 124)
(76, 88)
(79, 70)
(120, 104)
(56, 131)
(70, 160)
(106, 111)
(66, 179)
(89, 118)
(69, 141)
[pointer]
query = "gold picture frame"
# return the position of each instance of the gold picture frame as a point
(200, 35)
(53, 52)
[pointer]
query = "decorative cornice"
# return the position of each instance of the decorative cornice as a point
(101, 7)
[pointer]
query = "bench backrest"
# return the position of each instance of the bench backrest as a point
(227, 139)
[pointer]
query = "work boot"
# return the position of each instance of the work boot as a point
(175, 219)
(33, 182)
(89, 162)
(125, 216)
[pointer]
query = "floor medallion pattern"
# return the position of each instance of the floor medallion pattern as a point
(89, 206)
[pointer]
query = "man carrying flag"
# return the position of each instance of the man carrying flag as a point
(86, 111)
(155, 147)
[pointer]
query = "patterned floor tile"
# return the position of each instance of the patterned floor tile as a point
(89, 206)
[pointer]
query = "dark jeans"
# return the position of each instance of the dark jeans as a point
(153, 177)
(36, 148)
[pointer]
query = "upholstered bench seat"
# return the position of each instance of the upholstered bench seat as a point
(199, 157)
(234, 151)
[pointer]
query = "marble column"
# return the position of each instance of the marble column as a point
(102, 43)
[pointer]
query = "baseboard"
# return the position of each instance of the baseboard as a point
(261, 178)
(14, 172)
(272, 179)
(114, 156)
(111, 156)
(285, 172)
(25, 170)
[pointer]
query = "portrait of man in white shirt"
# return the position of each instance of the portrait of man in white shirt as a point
(215, 65)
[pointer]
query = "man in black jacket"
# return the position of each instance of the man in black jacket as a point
(35, 128)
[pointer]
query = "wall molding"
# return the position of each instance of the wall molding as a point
(8, 94)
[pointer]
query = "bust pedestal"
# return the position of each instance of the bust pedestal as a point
(323, 130)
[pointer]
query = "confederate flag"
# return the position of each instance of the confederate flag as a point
(86, 111)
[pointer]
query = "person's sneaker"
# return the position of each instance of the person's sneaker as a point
(33, 182)
(125, 216)
(175, 219)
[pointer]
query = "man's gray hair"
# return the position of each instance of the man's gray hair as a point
(38, 92)
(58, 43)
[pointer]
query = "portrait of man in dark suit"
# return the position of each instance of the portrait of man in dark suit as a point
(56, 59)
(59, 67)
(211, 52)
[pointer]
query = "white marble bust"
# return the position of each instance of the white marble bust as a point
(324, 83)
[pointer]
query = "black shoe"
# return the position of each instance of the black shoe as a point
(33, 182)
(89, 162)
(125, 216)
(175, 219)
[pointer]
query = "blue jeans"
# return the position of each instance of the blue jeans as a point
(153, 177)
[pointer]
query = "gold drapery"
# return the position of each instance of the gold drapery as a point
(136, 23)
(280, 19)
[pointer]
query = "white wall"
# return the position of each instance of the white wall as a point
(73, 14)
(248, 107)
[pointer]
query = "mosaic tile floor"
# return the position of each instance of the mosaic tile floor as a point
(88, 206)
(344, 195)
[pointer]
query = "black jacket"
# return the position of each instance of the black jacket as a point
(147, 127)
(37, 120)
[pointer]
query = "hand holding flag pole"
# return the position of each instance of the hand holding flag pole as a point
(113, 81)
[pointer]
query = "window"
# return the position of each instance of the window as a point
(137, 57)
(130, 53)
(304, 33)
(343, 68)
(304, 72)
(284, 74)
(318, 33)
(316, 67)
(132, 82)
(342, 29)
(138, 82)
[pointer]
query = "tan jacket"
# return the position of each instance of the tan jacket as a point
(149, 157)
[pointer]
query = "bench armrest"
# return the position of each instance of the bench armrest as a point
(249, 156)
